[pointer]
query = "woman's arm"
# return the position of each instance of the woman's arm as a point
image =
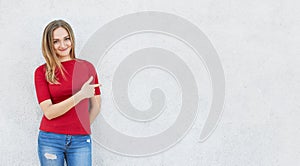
(55, 110)
(95, 107)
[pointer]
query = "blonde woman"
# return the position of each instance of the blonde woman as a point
(68, 93)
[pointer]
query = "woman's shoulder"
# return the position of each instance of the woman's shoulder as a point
(84, 62)
(40, 68)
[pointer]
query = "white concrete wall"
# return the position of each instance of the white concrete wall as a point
(258, 45)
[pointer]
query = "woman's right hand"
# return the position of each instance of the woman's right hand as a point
(87, 89)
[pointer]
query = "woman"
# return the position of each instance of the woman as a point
(68, 93)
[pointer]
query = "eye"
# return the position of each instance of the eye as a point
(67, 38)
(55, 41)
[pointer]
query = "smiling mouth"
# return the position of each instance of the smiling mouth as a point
(64, 49)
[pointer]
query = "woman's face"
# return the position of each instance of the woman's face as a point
(62, 43)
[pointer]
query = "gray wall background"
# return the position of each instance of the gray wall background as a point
(257, 42)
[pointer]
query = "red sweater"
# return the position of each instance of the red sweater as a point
(76, 120)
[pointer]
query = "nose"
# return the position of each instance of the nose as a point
(62, 45)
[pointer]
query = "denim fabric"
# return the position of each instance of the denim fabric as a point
(57, 149)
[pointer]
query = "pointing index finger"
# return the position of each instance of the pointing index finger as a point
(95, 85)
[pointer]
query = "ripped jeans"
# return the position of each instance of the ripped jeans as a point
(57, 149)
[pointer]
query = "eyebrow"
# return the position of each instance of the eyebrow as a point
(64, 37)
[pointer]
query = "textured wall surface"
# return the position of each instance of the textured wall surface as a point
(257, 43)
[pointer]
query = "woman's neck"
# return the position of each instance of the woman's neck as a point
(63, 59)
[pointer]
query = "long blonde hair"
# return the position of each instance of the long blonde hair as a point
(52, 60)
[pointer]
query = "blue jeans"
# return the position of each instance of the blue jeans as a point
(57, 149)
